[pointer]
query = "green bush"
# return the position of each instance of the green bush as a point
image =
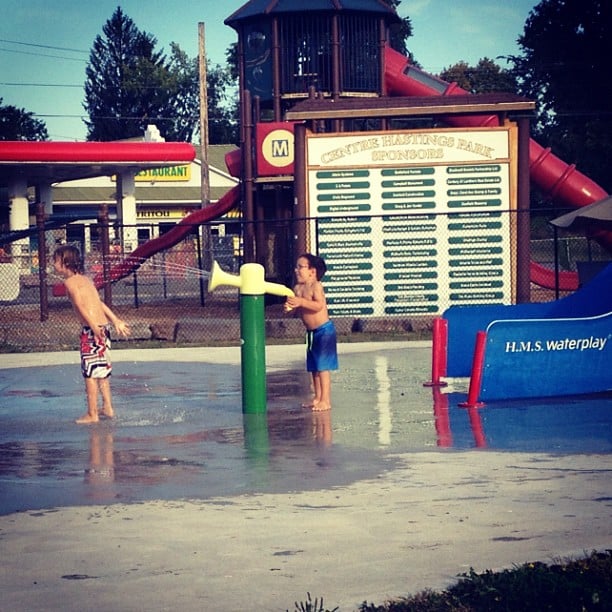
(581, 585)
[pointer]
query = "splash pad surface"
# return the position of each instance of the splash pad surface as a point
(180, 432)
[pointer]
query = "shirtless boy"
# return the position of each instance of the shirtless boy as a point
(310, 304)
(95, 317)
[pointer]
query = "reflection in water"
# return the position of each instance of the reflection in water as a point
(476, 425)
(383, 396)
(100, 475)
(257, 446)
(188, 438)
(322, 428)
(441, 418)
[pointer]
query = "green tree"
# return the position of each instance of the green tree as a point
(564, 64)
(223, 113)
(485, 77)
(125, 81)
(130, 85)
(19, 124)
(184, 103)
(400, 33)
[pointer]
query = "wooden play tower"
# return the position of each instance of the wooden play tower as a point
(326, 119)
(289, 51)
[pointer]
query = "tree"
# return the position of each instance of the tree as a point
(400, 33)
(564, 64)
(223, 113)
(485, 77)
(184, 103)
(130, 85)
(19, 124)
(125, 77)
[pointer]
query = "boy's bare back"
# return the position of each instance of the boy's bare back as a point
(86, 301)
(83, 294)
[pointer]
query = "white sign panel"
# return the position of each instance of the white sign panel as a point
(425, 212)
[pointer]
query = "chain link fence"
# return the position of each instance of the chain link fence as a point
(166, 301)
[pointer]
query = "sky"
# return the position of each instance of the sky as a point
(44, 46)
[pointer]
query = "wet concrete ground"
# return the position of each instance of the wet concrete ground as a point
(180, 432)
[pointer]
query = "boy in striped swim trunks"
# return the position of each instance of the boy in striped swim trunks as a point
(95, 317)
(310, 304)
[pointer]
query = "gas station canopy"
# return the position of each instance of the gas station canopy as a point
(52, 162)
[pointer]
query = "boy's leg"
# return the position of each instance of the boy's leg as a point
(310, 404)
(316, 381)
(91, 390)
(324, 402)
(107, 403)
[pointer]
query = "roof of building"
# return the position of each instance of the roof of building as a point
(178, 193)
(405, 106)
(256, 8)
(39, 162)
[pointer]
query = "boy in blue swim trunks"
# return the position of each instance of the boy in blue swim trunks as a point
(95, 317)
(310, 304)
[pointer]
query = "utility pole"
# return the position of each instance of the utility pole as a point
(207, 254)
(205, 185)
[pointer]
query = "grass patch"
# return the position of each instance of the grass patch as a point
(572, 585)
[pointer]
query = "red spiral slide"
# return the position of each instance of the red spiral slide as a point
(556, 179)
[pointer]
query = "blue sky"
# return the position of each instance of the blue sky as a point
(44, 46)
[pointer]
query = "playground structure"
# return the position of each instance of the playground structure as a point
(562, 182)
(559, 181)
(576, 335)
(530, 350)
(288, 55)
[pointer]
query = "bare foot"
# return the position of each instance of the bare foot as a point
(321, 406)
(107, 413)
(86, 419)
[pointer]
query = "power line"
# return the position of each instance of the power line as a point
(62, 57)
(123, 118)
(16, 42)
(39, 85)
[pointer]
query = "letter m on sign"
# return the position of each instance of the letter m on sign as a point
(280, 148)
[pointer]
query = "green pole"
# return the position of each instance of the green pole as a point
(253, 353)
(253, 286)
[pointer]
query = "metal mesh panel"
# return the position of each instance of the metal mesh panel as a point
(360, 54)
(306, 54)
(165, 300)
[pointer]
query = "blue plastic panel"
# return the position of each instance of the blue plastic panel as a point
(544, 358)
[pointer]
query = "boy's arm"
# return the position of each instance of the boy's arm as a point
(120, 325)
(291, 301)
(314, 303)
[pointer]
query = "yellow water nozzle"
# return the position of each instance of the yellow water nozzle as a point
(220, 277)
(251, 281)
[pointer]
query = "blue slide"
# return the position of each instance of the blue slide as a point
(538, 350)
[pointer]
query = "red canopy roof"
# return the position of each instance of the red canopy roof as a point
(53, 162)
